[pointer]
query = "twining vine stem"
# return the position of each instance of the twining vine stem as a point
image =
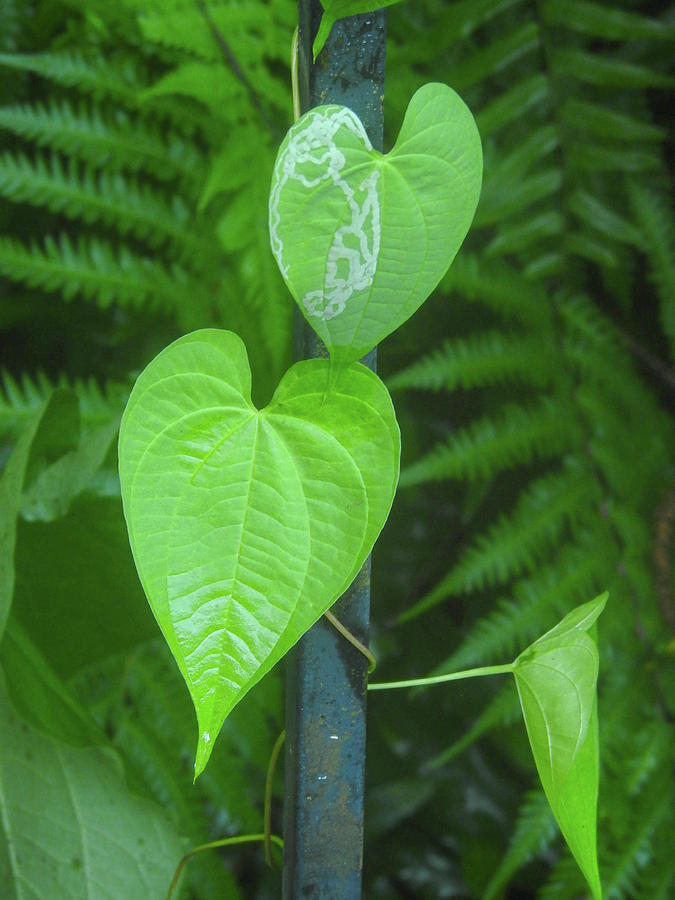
(269, 784)
(223, 842)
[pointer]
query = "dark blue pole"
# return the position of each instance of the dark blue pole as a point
(326, 685)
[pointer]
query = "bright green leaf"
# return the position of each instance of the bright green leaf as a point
(246, 524)
(70, 827)
(339, 9)
(556, 679)
(363, 238)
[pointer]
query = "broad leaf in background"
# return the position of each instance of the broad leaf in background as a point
(556, 679)
(363, 238)
(69, 822)
(42, 437)
(37, 694)
(246, 524)
(338, 9)
(77, 592)
(50, 495)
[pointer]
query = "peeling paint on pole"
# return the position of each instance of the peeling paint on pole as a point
(326, 687)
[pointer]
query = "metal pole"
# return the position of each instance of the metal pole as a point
(326, 684)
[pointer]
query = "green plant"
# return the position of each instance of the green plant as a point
(247, 525)
(560, 303)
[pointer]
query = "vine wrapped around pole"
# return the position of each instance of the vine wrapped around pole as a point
(326, 691)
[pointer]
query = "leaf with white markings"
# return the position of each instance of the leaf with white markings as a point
(363, 238)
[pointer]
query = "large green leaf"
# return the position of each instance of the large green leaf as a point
(556, 679)
(362, 238)
(246, 524)
(70, 828)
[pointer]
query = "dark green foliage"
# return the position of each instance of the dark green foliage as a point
(547, 435)
(534, 390)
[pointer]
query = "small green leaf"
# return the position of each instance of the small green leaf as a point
(246, 524)
(362, 238)
(556, 680)
(339, 9)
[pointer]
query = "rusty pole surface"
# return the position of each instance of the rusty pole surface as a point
(326, 682)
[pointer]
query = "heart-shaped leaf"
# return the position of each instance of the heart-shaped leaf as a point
(363, 238)
(556, 679)
(246, 524)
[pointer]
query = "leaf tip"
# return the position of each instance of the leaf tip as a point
(325, 27)
(203, 754)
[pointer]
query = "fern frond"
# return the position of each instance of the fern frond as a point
(95, 76)
(525, 193)
(486, 358)
(605, 71)
(655, 219)
(501, 53)
(565, 882)
(500, 170)
(19, 400)
(111, 198)
(621, 868)
(595, 214)
(184, 27)
(526, 95)
(657, 880)
(588, 157)
(119, 142)
(9, 16)
(517, 543)
(576, 571)
(449, 25)
(501, 711)
(604, 21)
(500, 287)
(534, 832)
(487, 446)
(93, 270)
(524, 235)
(591, 117)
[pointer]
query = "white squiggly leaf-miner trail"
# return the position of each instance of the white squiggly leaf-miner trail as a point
(310, 157)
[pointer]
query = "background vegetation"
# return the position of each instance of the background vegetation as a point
(534, 390)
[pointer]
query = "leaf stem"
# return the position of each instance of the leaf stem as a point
(354, 641)
(439, 679)
(269, 783)
(223, 842)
